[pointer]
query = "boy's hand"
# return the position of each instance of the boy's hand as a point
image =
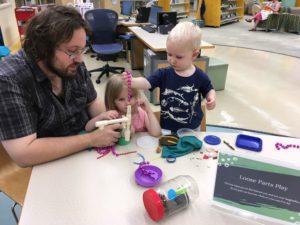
(210, 102)
(211, 99)
(136, 82)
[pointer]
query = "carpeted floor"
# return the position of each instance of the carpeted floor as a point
(237, 35)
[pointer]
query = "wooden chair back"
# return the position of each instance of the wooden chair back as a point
(13, 179)
(203, 121)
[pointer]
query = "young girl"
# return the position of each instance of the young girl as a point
(116, 101)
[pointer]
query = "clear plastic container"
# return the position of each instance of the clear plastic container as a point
(172, 196)
(185, 132)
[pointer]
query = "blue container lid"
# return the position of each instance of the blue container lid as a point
(4, 51)
(212, 140)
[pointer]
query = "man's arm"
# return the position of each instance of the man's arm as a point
(30, 150)
(95, 107)
(96, 110)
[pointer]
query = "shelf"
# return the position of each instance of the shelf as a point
(230, 20)
(224, 13)
(180, 13)
(234, 8)
(218, 11)
(182, 7)
(179, 4)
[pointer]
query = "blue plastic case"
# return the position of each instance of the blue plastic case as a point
(249, 142)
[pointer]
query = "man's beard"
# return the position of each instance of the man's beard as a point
(59, 72)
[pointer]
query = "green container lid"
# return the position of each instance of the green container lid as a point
(122, 141)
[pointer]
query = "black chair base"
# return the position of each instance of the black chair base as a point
(106, 70)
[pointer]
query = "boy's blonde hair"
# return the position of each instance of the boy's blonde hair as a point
(186, 33)
(113, 90)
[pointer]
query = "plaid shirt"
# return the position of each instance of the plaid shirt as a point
(28, 105)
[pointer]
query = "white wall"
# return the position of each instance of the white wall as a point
(8, 24)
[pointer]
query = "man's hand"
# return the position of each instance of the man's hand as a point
(108, 136)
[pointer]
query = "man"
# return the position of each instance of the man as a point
(46, 94)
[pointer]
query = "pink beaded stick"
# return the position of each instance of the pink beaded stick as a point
(103, 151)
(144, 163)
(129, 76)
(282, 146)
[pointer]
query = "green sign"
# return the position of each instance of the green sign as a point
(258, 186)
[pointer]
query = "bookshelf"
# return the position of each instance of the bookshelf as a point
(182, 7)
(221, 12)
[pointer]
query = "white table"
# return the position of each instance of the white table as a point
(81, 190)
(156, 41)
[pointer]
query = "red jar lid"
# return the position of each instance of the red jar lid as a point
(153, 204)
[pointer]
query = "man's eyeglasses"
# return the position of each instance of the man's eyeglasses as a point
(74, 54)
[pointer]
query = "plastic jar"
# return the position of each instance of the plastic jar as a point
(172, 196)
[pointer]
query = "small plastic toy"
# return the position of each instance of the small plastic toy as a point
(172, 194)
(185, 132)
(249, 142)
(125, 120)
(147, 175)
(170, 197)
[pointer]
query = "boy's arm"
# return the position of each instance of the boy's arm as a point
(137, 82)
(140, 83)
(211, 99)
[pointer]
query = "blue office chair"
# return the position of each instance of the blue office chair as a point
(103, 23)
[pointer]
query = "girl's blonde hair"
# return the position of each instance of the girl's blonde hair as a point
(186, 33)
(113, 90)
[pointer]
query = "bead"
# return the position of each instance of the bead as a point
(105, 150)
(279, 146)
(129, 85)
